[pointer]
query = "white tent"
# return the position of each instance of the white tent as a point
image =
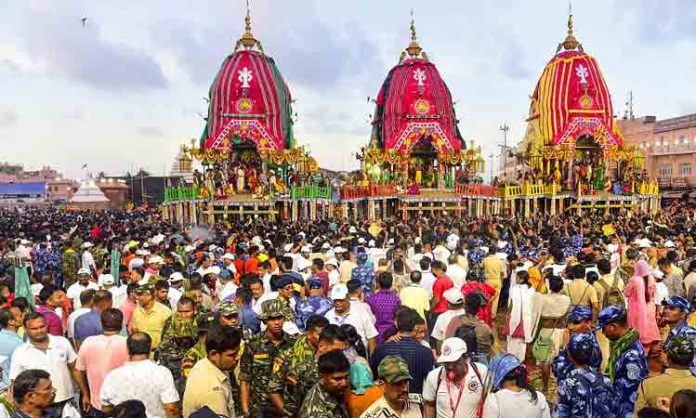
(89, 196)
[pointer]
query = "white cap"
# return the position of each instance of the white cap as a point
(142, 253)
(339, 250)
(453, 296)
(658, 274)
(352, 230)
(176, 277)
(303, 263)
(332, 262)
(85, 244)
(361, 240)
(306, 249)
(212, 247)
(84, 271)
(452, 350)
(157, 239)
(189, 248)
(339, 292)
(155, 259)
(371, 243)
(136, 262)
(106, 280)
(228, 256)
(213, 269)
(326, 246)
(669, 243)
(287, 247)
(644, 243)
(25, 242)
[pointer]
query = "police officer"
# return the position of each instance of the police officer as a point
(675, 314)
(653, 391)
(394, 378)
(315, 304)
(627, 364)
(579, 321)
(260, 355)
(583, 391)
(171, 351)
(294, 371)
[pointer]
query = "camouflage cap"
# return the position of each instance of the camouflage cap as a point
(680, 347)
(183, 327)
(272, 309)
(227, 308)
(145, 287)
(393, 369)
(204, 322)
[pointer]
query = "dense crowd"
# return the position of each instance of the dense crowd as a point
(120, 313)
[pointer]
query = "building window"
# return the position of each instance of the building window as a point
(685, 169)
(666, 170)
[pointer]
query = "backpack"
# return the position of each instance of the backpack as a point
(612, 295)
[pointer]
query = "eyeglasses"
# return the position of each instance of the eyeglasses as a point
(51, 389)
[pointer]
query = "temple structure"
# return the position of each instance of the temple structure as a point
(573, 153)
(417, 159)
(247, 148)
(572, 156)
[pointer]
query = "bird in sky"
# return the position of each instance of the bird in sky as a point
(84, 21)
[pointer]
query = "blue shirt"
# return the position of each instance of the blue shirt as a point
(87, 325)
(9, 340)
(683, 330)
(585, 393)
(314, 305)
(366, 276)
(631, 367)
(418, 357)
(248, 319)
(562, 365)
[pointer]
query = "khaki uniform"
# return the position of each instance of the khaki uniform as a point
(381, 409)
(663, 386)
(582, 293)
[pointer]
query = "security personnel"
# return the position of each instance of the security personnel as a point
(394, 378)
(260, 355)
(197, 352)
(653, 390)
(294, 371)
(171, 351)
(584, 392)
(675, 315)
(627, 364)
(315, 304)
(579, 321)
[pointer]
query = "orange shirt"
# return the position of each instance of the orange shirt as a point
(251, 265)
(357, 404)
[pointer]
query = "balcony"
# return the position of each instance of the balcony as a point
(670, 149)
(673, 182)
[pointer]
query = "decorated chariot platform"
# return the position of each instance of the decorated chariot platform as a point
(572, 156)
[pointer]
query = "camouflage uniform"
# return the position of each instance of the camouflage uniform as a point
(320, 404)
(294, 373)
(171, 351)
(71, 263)
(259, 357)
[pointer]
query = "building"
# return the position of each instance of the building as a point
(13, 194)
(669, 145)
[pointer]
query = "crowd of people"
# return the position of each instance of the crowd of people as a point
(119, 313)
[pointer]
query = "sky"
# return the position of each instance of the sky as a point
(125, 89)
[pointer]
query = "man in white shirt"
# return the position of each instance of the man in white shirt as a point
(86, 302)
(455, 307)
(427, 276)
(227, 286)
(343, 313)
(455, 389)
(23, 253)
(143, 380)
(87, 258)
(455, 272)
(83, 283)
(176, 281)
(52, 354)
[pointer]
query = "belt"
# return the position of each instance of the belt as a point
(559, 322)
